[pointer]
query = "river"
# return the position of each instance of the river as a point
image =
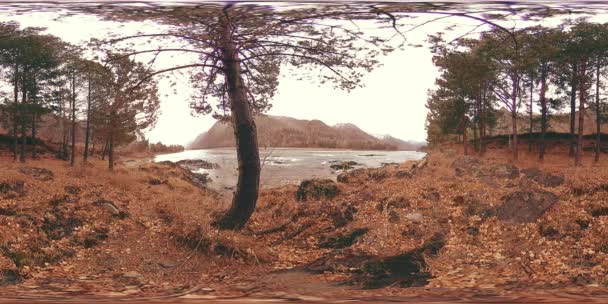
(283, 166)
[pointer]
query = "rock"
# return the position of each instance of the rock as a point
(131, 275)
(343, 215)
(13, 188)
(345, 165)
(110, 207)
(466, 165)
(398, 203)
(317, 189)
(415, 217)
(525, 206)
(362, 175)
(403, 174)
(431, 195)
(341, 240)
(600, 211)
(404, 270)
(196, 164)
(38, 173)
(73, 190)
(509, 171)
(9, 276)
(155, 181)
(168, 264)
(543, 178)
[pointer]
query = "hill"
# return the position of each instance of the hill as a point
(281, 131)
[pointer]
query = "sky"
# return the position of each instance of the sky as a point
(392, 101)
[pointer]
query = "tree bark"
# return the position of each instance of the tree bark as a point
(573, 108)
(73, 106)
(465, 145)
(111, 149)
(581, 115)
(23, 136)
(514, 116)
(597, 111)
(543, 110)
(246, 194)
(34, 117)
(87, 130)
(530, 114)
(15, 114)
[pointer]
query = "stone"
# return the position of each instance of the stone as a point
(131, 275)
(317, 189)
(415, 217)
(509, 171)
(38, 173)
(525, 206)
(543, 178)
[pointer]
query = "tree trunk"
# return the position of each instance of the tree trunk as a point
(597, 111)
(87, 130)
(73, 105)
(475, 122)
(581, 116)
(104, 150)
(23, 136)
(246, 194)
(34, 117)
(15, 114)
(514, 116)
(543, 111)
(465, 145)
(573, 108)
(111, 149)
(530, 114)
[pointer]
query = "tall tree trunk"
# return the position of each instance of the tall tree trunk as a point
(581, 115)
(15, 111)
(73, 106)
(23, 120)
(530, 114)
(597, 111)
(246, 194)
(475, 124)
(104, 150)
(87, 130)
(34, 118)
(514, 116)
(465, 145)
(573, 108)
(543, 111)
(111, 150)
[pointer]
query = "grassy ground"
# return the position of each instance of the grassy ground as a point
(143, 231)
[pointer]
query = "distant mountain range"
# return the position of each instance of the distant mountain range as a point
(288, 132)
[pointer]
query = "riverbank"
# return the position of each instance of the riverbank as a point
(457, 226)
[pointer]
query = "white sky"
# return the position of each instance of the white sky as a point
(392, 101)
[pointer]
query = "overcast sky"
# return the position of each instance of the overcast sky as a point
(392, 101)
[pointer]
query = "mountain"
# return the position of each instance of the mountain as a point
(281, 131)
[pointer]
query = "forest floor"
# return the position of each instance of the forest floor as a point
(456, 229)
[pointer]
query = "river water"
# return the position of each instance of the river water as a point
(283, 166)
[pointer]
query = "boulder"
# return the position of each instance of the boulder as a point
(38, 173)
(317, 189)
(503, 171)
(345, 165)
(12, 188)
(8, 272)
(543, 178)
(415, 217)
(466, 165)
(525, 206)
(196, 164)
(431, 195)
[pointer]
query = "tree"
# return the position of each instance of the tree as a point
(241, 50)
(133, 104)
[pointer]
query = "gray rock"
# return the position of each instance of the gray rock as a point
(415, 217)
(543, 178)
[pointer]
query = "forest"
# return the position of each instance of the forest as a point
(531, 70)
